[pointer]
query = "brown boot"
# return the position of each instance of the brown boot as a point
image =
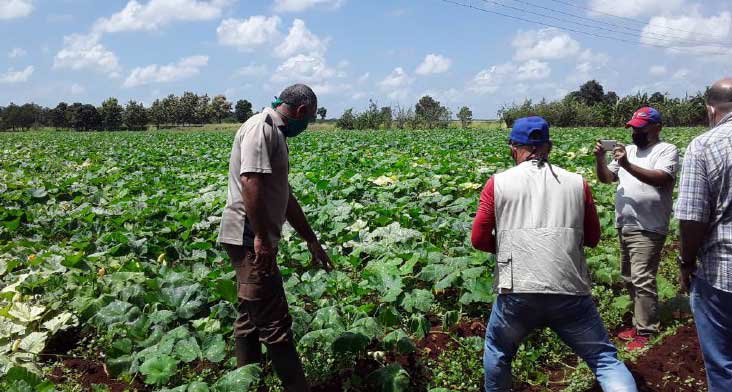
(287, 365)
(248, 351)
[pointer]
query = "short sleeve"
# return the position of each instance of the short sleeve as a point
(614, 167)
(668, 160)
(257, 145)
(693, 199)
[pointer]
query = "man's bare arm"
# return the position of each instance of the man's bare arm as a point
(604, 174)
(692, 237)
(298, 221)
(254, 204)
(652, 177)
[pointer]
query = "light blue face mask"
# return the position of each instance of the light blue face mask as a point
(294, 126)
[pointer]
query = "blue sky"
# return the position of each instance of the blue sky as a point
(392, 51)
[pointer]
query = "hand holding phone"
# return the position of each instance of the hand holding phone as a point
(608, 145)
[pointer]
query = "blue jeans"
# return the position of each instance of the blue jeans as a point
(712, 310)
(573, 318)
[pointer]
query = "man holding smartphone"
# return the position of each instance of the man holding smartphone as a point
(646, 172)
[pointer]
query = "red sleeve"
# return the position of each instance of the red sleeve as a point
(485, 221)
(592, 222)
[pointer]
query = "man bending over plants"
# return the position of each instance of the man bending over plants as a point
(536, 218)
(258, 204)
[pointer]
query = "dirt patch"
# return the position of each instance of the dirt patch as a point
(674, 365)
(88, 373)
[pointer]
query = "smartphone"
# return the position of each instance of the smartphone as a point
(608, 145)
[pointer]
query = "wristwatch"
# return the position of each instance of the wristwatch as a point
(682, 264)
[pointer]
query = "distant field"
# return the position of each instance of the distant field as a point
(108, 259)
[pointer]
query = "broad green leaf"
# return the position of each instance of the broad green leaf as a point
(34, 342)
(389, 379)
(350, 343)
(418, 299)
(242, 379)
(61, 322)
(26, 313)
(158, 370)
(187, 350)
(419, 325)
(214, 348)
(226, 289)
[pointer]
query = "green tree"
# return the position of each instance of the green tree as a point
(590, 93)
(322, 112)
(84, 117)
(466, 116)
(187, 108)
(657, 98)
(204, 111)
(221, 108)
(171, 107)
(135, 116)
(111, 114)
(347, 120)
(243, 110)
(59, 117)
(386, 117)
(157, 114)
(430, 113)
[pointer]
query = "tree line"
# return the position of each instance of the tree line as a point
(592, 106)
(187, 109)
(427, 113)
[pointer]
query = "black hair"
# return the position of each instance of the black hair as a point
(298, 95)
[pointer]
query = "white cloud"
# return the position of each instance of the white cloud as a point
(302, 5)
(690, 33)
(85, 52)
(450, 95)
(158, 13)
(397, 78)
(252, 70)
(328, 88)
(154, 73)
(300, 40)
(17, 52)
(658, 70)
(489, 81)
(11, 9)
(365, 77)
(357, 96)
(16, 76)
(633, 8)
(533, 70)
(544, 44)
(303, 68)
(434, 64)
(396, 84)
(250, 33)
(681, 74)
(588, 64)
(77, 89)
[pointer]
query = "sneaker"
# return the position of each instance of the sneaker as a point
(639, 342)
(628, 334)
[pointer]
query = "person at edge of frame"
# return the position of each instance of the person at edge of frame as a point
(542, 216)
(259, 202)
(704, 210)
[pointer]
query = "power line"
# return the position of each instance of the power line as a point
(632, 20)
(498, 3)
(569, 29)
(670, 37)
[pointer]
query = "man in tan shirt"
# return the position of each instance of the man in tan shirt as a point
(258, 204)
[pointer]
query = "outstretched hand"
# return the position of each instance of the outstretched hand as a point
(320, 257)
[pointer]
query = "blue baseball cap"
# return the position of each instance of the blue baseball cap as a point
(530, 131)
(643, 117)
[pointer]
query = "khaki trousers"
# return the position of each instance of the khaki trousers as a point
(640, 256)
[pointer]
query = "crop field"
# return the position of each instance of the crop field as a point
(111, 278)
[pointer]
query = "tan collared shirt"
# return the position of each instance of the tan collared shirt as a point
(259, 147)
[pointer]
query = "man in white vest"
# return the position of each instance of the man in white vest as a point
(536, 218)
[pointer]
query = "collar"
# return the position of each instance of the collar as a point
(279, 122)
(726, 118)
